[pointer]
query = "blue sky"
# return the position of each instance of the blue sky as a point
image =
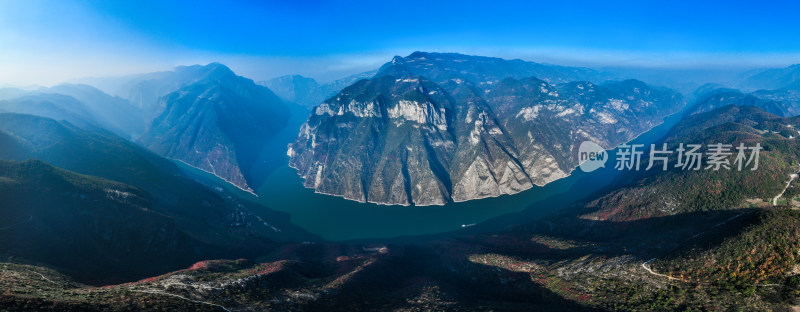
(46, 42)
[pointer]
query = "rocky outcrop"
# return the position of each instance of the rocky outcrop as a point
(404, 138)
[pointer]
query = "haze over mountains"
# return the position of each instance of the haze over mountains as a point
(712, 244)
(775, 90)
(308, 92)
(205, 116)
(86, 131)
(772, 78)
(219, 123)
(92, 193)
(360, 156)
(143, 185)
(186, 114)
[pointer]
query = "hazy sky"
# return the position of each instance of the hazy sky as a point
(46, 42)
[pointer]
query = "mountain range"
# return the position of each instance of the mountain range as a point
(433, 128)
(771, 78)
(208, 223)
(307, 92)
(654, 240)
(96, 190)
(219, 123)
(782, 102)
(88, 227)
(205, 116)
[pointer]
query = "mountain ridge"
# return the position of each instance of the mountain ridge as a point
(226, 116)
(410, 140)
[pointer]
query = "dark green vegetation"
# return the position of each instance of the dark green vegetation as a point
(217, 225)
(665, 241)
(758, 256)
(97, 209)
(656, 193)
(89, 227)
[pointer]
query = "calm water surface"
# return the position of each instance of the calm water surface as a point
(337, 219)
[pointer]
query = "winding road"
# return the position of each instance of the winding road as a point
(649, 270)
(791, 178)
(646, 268)
(158, 292)
(44, 277)
(774, 203)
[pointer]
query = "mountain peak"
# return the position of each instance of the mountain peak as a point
(417, 54)
(480, 70)
(430, 128)
(218, 71)
(212, 70)
(228, 115)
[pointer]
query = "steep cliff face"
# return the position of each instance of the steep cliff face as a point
(381, 135)
(403, 138)
(218, 124)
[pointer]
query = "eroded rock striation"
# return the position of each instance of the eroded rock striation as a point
(433, 128)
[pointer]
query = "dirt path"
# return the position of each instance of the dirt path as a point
(774, 202)
(44, 277)
(158, 292)
(791, 178)
(649, 270)
(644, 265)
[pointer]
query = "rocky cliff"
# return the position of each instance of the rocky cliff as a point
(220, 124)
(476, 130)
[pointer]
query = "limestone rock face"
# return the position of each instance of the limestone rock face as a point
(432, 128)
